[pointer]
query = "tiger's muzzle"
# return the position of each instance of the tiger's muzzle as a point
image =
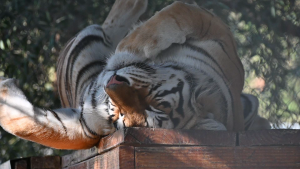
(130, 101)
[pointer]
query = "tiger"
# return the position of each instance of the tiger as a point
(177, 70)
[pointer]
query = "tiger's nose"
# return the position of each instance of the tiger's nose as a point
(117, 80)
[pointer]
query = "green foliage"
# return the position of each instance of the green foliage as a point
(268, 35)
(32, 32)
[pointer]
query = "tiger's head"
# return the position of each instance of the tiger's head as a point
(133, 91)
(142, 93)
(148, 94)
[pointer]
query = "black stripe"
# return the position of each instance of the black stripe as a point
(107, 40)
(94, 103)
(86, 41)
(143, 66)
(188, 122)
(140, 65)
(220, 43)
(91, 86)
(178, 88)
(137, 80)
(221, 78)
(235, 52)
(165, 104)
(93, 79)
(140, 76)
(207, 11)
(58, 118)
(204, 52)
(190, 80)
(84, 123)
(60, 64)
(175, 121)
(85, 131)
(202, 88)
(247, 106)
(86, 68)
(116, 125)
(154, 88)
(188, 76)
(206, 30)
(226, 105)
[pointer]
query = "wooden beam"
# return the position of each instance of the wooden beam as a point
(150, 137)
(286, 137)
(78, 156)
(169, 148)
(217, 157)
(121, 157)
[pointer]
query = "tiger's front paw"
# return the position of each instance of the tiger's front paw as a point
(9, 90)
(12, 99)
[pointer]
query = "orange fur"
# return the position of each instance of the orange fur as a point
(180, 22)
(133, 107)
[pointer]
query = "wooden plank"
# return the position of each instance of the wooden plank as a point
(78, 156)
(218, 157)
(111, 141)
(126, 157)
(149, 136)
(82, 165)
(22, 164)
(121, 157)
(48, 162)
(270, 137)
(107, 160)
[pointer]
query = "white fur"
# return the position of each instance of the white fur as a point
(122, 58)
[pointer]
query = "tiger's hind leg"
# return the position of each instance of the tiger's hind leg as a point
(84, 56)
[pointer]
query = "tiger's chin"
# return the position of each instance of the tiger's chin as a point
(129, 101)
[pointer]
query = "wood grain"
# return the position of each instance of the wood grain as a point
(107, 160)
(48, 162)
(126, 157)
(111, 141)
(149, 136)
(270, 138)
(78, 156)
(162, 148)
(22, 164)
(217, 157)
(82, 165)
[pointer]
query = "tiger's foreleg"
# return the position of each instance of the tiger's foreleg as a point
(59, 128)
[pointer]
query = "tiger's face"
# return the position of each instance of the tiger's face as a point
(140, 93)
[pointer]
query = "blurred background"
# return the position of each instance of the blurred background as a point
(32, 32)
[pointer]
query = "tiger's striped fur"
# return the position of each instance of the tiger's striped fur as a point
(179, 70)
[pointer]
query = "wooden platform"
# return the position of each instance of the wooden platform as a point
(161, 148)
